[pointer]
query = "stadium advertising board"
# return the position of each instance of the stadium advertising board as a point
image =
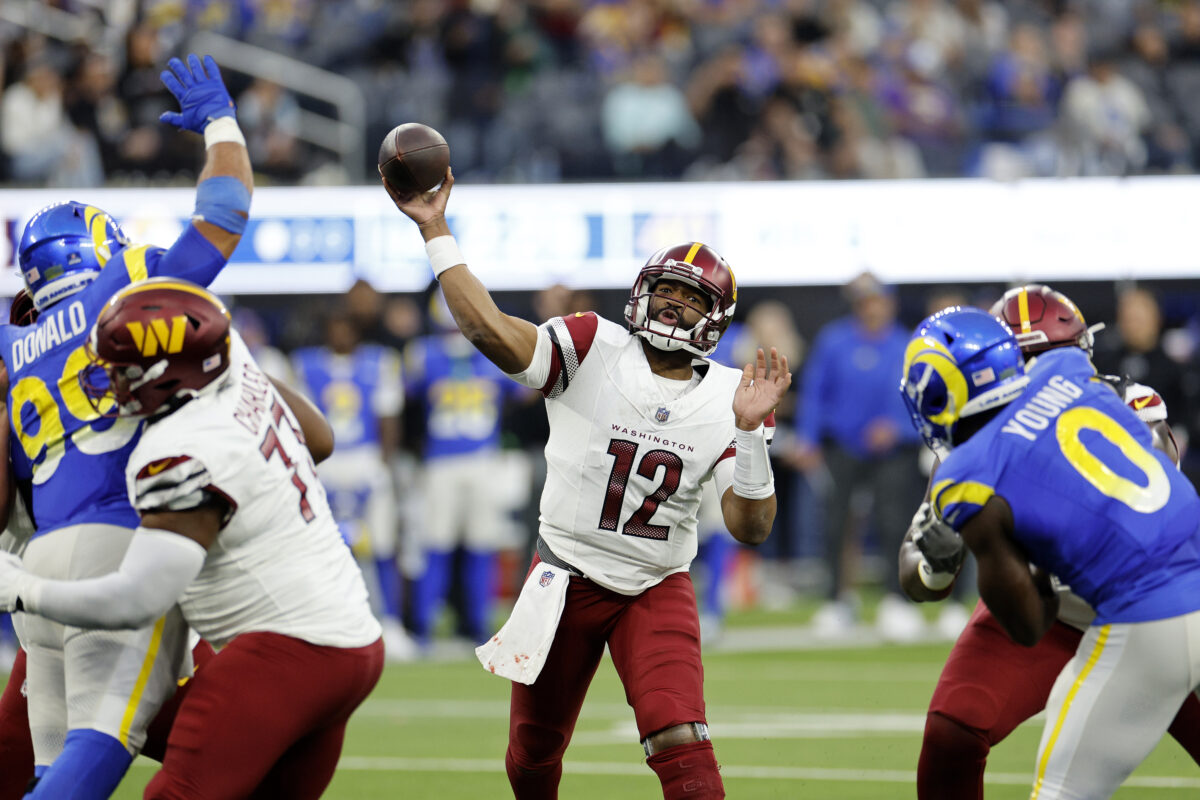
(310, 239)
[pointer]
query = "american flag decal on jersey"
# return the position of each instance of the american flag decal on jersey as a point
(546, 578)
(662, 414)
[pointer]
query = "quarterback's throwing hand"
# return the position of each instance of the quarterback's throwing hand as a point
(11, 579)
(200, 91)
(426, 208)
(760, 391)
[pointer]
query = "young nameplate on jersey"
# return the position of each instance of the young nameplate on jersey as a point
(639, 419)
(990, 684)
(235, 528)
(1049, 472)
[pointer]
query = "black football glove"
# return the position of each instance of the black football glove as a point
(941, 545)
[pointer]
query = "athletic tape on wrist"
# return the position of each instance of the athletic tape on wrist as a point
(219, 201)
(753, 478)
(223, 129)
(933, 581)
(443, 254)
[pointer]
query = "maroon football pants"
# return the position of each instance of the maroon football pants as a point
(654, 639)
(265, 718)
(989, 686)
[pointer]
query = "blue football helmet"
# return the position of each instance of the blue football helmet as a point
(63, 249)
(959, 362)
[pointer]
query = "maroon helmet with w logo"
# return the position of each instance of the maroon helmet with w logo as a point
(695, 264)
(156, 340)
(1044, 319)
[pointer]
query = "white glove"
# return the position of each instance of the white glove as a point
(12, 578)
(942, 548)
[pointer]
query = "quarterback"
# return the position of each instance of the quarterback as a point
(1050, 473)
(639, 419)
(91, 695)
(236, 529)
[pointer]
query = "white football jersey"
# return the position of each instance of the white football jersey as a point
(625, 462)
(279, 564)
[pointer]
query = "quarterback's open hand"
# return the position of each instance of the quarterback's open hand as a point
(200, 91)
(11, 579)
(760, 391)
(424, 209)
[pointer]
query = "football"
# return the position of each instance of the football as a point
(413, 158)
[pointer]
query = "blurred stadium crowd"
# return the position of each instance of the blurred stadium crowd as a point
(580, 90)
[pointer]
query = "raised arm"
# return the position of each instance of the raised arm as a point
(748, 506)
(507, 341)
(226, 181)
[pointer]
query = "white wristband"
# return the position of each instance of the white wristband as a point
(934, 581)
(443, 254)
(223, 129)
(752, 475)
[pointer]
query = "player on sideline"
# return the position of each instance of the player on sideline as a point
(990, 684)
(236, 528)
(91, 695)
(1051, 473)
(637, 423)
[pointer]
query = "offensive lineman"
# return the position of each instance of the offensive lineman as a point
(236, 529)
(637, 423)
(990, 684)
(1051, 473)
(91, 695)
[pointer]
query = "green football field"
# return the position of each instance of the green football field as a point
(788, 721)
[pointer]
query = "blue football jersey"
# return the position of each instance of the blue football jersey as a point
(462, 392)
(73, 455)
(353, 391)
(1092, 501)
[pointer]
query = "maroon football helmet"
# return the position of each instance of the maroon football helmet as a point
(22, 311)
(1044, 319)
(156, 340)
(695, 264)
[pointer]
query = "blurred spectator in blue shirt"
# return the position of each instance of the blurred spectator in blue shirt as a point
(852, 421)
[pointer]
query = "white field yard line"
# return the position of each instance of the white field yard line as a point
(718, 714)
(747, 772)
(633, 767)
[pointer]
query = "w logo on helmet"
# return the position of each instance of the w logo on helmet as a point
(160, 335)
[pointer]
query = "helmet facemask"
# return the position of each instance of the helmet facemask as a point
(701, 338)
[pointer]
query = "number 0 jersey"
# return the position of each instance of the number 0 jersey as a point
(72, 455)
(625, 463)
(279, 563)
(1092, 501)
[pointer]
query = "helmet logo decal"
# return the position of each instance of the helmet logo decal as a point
(97, 224)
(170, 339)
(938, 361)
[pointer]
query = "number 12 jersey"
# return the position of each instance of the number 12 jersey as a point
(626, 460)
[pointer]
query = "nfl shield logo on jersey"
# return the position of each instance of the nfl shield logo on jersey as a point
(662, 414)
(547, 576)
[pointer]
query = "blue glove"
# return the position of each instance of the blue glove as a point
(202, 97)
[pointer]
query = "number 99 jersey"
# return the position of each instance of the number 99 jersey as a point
(1092, 500)
(70, 452)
